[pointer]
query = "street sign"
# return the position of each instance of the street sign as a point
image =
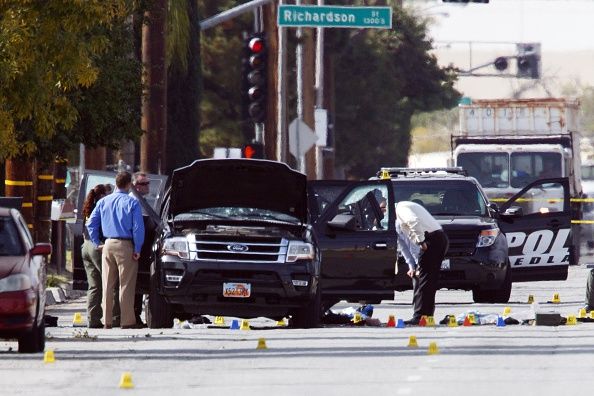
(335, 16)
(307, 138)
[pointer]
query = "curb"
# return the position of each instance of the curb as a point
(58, 295)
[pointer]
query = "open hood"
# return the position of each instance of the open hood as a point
(239, 183)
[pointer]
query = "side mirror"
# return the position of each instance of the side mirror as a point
(41, 249)
(345, 222)
(493, 207)
(514, 211)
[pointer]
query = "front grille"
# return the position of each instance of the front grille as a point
(238, 249)
(462, 242)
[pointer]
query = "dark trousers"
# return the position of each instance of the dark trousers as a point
(425, 284)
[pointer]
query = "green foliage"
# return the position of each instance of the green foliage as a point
(221, 67)
(109, 110)
(183, 85)
(48, 51)
(54, 280)
(383, 77)
(431, 131)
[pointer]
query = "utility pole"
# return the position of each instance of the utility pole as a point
(272, 129)
(309, 94)
(154, 98)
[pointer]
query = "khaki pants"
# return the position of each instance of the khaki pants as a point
(117, 262)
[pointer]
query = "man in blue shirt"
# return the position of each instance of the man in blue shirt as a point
(119, 216)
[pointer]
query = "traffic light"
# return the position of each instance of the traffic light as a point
(253, 150)
(466, 1)
(528, 60)
(254, 76)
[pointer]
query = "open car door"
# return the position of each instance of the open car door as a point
(537, 224)
(356, 236)
(152, 200)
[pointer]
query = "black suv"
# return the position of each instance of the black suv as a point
(235, 241)
(481, 234)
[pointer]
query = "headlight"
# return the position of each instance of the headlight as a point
(299, 251)
(487, 237)
(15, 282)
(177, 246)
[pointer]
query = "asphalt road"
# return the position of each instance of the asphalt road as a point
(478, 360)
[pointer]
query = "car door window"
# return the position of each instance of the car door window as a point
(10, 242)
(369, 206)
(541, 198)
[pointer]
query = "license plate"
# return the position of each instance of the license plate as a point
(445, 265)
(238, 290)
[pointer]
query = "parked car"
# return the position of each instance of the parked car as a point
(526, 239)
(22, 283)
(235, 241)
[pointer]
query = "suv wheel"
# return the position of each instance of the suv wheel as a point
(309, 315)
(497, 296)
(158, 312)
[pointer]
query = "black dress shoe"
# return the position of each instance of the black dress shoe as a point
(95, 325)
(412, 322)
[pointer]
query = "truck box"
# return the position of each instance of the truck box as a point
(519, 117)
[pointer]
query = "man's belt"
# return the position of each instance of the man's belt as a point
(120, 239)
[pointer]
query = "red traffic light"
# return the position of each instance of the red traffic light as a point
(253, 150)
(256, 45)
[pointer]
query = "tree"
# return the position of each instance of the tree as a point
(383, 77)
(184, 84)
(221, 123)
(48, 52)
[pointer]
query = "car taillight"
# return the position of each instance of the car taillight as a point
(15, 282)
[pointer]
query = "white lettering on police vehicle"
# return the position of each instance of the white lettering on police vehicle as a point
(539, 248)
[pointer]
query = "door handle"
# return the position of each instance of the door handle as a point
(380, 245)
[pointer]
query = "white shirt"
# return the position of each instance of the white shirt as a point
(415, 221)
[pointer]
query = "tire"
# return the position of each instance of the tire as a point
(496, 296)
(33, 341)
(308, 316)
(158, 312)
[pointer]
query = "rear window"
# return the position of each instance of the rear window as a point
(443, 197)
(10, 241)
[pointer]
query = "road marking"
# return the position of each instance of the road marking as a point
(413, 378)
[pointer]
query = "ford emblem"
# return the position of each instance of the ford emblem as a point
(237, 247)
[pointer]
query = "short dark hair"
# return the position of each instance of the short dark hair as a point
(123, 179)
(137, 176)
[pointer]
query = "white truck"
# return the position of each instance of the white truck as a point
(507, 143)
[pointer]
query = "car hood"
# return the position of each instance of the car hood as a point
(239, 183)
(10, 265)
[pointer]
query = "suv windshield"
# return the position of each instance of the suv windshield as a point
(10, 243)
(490, 169)
(443, 197)
(235, 213)
(527, 167)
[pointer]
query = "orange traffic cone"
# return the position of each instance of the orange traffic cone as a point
(467, 321)
(423, 321)
(391, 321)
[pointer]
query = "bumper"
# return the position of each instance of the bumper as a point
(276, 289)
(468, 274)
(17, 312)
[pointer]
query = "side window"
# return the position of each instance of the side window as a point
(369, 205)
(541, 198)
(29, 239)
